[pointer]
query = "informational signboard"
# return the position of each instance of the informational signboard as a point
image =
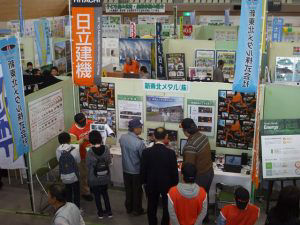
(135, 8)
(86, 42)
(176, 66)
(280, 156)
(167, 86)
(46, 116)
(130, 107)
(229, 58)
(287, 69)
(203, 114)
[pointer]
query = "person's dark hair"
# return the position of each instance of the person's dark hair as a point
(189, 172)
(58, 191)
(29, 64)
(242, 197)
(144, 69)
(221, 62)
(188, 125)
(46, 73)
(287, 207)
(35, 71)
(79, 117)
(54, 68)
(95, 137)
(64, 138)
(160, 133)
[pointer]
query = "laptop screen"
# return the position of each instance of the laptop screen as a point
(235, 160)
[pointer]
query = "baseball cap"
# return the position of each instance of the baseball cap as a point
(189, 172)
(188, 123)
(135, 123)
(242, 197)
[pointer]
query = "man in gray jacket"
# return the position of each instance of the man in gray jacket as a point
(66, 213)
(132, 147)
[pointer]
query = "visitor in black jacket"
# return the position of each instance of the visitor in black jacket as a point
(286, 212)
(159, 173)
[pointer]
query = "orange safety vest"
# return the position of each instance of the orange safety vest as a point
(235, 216)
(187, 209)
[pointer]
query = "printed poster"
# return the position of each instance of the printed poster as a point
(98, 103)
(110, 52)
(13, 119)
(200, 74)
(176, 66)
(203, 113)
(164, 109)
(86, 42)
(46, 116)
(60, 60)
(130, 107)
(229, 58)
(280, 156)
(287, 69)
(236, 120)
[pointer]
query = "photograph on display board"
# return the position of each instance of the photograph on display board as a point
(60, 60)
(236, 120)
(172, 136)
(229, 58)
(98, 103)
(176, 66)
(287, 69)
(200, 73)
(205, 58)
(164, 109)
(137, 49)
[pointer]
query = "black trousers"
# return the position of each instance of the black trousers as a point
(134, 192)
(153, 200)
(73, 193)
(99, 191)
(205, 181)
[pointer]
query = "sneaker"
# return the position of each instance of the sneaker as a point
(110, 215)
(88, 198)
(100, 216)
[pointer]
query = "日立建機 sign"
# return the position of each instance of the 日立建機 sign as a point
(167, 86)
(135, 8)
(86, 41)
(248, 53)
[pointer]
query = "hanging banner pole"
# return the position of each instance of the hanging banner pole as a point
(86, 42)
(249, 47)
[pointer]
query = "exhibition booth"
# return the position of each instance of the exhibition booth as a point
(233, 121)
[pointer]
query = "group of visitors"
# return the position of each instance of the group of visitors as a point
(153, 171)
(35, 79)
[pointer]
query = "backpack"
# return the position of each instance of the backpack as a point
(101, 168)
(68, 168)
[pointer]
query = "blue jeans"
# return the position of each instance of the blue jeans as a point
(99, 191)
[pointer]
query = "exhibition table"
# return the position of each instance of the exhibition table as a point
(220, 176)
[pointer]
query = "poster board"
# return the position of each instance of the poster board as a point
(110, 52)
(46, 117)
(176, 66)
(229, 58)
(129, 107)
(236, 120)
(280, 156)
(287, 69)
(203, 113)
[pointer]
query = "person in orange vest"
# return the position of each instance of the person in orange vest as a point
(131, 66)
(242, 213)
(187, 202)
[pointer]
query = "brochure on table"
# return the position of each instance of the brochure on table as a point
(280, 156)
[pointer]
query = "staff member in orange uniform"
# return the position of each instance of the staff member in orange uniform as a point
(131, 66)
(80, 132)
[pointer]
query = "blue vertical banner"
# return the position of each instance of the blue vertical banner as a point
(248, 53)
(277, 28)
(42, 35)
(13, 119)
(160, 68)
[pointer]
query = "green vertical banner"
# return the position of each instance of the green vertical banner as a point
(181, 28)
